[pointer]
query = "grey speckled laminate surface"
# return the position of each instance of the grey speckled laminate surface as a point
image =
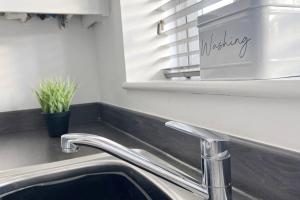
(35, 146)
(30, 147)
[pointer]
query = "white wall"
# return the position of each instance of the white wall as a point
(267, 120)
(36, 50)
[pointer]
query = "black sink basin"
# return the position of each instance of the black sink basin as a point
(93, 187)
(97, 177)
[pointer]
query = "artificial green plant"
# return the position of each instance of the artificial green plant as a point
(55, 95)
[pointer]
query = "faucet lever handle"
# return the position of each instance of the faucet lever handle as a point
(213, 143)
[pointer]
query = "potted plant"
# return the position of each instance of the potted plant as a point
(55, 96)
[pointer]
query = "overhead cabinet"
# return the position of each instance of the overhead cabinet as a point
(76, 7)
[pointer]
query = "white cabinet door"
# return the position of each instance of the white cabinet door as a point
(80, 7)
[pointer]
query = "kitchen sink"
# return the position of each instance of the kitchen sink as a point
(100, 186)
(96, 177)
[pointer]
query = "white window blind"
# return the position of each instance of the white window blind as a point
(179, 25)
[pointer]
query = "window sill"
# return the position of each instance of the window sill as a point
(284, 88)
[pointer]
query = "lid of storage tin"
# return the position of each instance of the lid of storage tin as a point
(240, 5)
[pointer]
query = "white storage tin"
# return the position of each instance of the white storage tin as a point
(251, 39)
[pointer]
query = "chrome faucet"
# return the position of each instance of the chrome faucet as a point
(215, 160)
(216, 171)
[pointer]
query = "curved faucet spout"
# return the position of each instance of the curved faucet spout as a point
(70, 142)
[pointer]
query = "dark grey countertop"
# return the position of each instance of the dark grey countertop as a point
(36, 147)
(27, 148)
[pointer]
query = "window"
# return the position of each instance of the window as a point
(179, 26)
